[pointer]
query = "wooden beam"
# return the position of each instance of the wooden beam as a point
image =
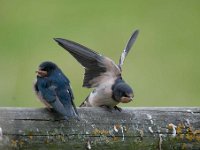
(133, 128)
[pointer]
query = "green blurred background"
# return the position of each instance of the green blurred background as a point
(163, 67)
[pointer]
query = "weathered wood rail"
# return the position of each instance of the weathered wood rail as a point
(133, 128)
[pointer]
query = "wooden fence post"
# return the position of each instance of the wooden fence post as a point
(133, 128)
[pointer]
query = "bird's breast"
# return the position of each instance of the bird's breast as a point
(102, 95)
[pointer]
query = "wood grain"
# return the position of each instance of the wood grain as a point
(133, 128)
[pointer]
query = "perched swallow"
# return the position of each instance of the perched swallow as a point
(102, 74)
(53, 88)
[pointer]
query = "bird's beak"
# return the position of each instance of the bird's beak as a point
(41, 73)
(127, 99)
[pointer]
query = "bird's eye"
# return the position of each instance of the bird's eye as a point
(45, 69)
(124, 94)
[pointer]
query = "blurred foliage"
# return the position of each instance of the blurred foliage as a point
(163, 67)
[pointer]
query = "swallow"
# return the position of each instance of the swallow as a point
(102, 74)
(53, 88)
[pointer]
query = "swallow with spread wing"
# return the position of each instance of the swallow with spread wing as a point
(53, 88)
(102, 74)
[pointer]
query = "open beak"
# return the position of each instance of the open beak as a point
(126, 99)
(41, 73)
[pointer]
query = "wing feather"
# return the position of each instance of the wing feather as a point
(97, 67)
(127, 48)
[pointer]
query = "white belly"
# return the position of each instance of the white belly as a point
(102, 96)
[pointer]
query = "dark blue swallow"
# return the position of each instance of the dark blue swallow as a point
(53, 89)
(102, 74)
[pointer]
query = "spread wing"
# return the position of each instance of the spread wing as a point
(98, 68)
(127, 48)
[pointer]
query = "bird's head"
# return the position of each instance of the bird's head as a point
(46, 69)
(123, 93)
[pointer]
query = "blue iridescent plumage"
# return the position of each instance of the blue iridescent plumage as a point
(53, 89)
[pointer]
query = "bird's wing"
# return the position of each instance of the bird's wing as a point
(50, 96)
(72, 99)
(98, 69)
(65, 95)
(127, 48)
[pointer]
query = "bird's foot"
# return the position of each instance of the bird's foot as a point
(106, 108)
(68, 118)
(51, 109)
(77, 118)
(118, 108)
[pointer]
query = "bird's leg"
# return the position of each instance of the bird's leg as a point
(50, 109)
(118, 108)
(107, 108)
